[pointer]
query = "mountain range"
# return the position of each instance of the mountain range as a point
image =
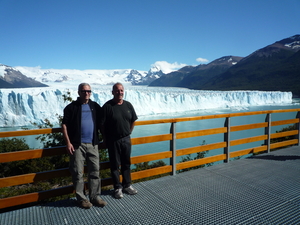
(13, 78)
(275, 67)
(193, 76)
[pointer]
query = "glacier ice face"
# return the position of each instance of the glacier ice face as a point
(21, 107)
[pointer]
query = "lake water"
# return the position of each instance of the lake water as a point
(148, 130)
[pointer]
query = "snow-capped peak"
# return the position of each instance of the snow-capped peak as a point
(293, 45)
(52, 77)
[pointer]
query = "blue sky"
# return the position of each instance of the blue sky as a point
(135, 34)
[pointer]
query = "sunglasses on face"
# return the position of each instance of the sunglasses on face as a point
(86, 91)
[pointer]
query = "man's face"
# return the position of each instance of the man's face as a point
(118, 92)
(85, 93)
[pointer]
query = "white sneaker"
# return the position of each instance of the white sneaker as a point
(130, 190)
(118, 193)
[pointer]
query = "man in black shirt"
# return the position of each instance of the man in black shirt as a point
(117, 123)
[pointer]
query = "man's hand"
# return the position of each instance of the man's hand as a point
(70, 149)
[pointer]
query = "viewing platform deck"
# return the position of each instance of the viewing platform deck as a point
(263, 189)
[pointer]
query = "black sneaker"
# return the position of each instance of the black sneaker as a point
(130, 190)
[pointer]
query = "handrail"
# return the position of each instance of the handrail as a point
(170, 153)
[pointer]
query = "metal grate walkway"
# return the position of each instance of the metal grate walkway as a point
(259, 190)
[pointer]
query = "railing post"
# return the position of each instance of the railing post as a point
(227, 140)
(298, 128)
(173, 148)
(268, 132)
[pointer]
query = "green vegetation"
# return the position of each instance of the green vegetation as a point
(160, 163)
(146, 166)
(28, 166)
(286, 138)
(12, 145)
(199, 155)
(292, 127)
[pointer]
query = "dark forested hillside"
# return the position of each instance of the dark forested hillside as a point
(274, 68)
(204, 73)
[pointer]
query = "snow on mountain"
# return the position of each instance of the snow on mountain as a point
(291, 42)
(2, 70)
(293, 45)
(10, 77)
(52, 77)
(153, 74)
(136, 77)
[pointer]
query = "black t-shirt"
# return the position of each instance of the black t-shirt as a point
(117, 119)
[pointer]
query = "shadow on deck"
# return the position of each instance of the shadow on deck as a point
(264, 189)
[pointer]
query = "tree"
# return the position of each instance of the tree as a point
(20, 167)
(291, 127)
(199, 155)
(12, 145)
(146, 166)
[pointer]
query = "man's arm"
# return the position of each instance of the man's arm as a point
(132, 126)
(69, 146)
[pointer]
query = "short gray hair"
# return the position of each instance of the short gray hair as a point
(116, 84)
(81, 85)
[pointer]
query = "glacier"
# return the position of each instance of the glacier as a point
(22, 107)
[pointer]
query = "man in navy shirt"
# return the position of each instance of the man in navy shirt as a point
(117, 123)
(80, 127)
